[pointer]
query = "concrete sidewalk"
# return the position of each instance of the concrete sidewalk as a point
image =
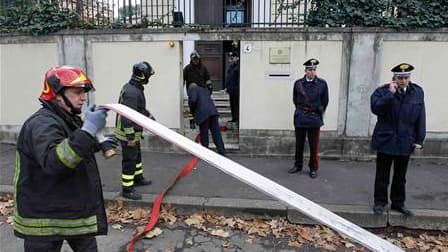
(344, 187)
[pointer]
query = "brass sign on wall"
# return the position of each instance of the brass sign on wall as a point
(280, 55)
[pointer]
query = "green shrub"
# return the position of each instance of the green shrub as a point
(379, 13)
(44, 18)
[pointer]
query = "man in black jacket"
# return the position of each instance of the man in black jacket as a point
(130, 133)
(196, 72)
(58, 194)
(233, 85)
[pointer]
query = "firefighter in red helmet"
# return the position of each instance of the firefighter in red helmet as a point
(58, 194)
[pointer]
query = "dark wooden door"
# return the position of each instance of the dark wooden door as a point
(212, 57)
(209, 12)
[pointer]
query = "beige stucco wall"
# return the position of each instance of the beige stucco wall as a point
(22, 67)
(430, 60)
(267, 101)
(112, 67)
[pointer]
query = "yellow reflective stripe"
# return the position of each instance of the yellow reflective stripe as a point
(130, 183)
(48, 231)
(138, 136)
(127, 177)
(67, 155)
(129, 131)
(16, 180)
(120, 134)
(118, 122)
(138, 172)
(49, 222)
(139, 165)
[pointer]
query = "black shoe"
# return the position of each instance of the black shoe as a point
(295, 169)
(378, 209)
(130, 193)
(141, 181)
(313, 174)
(403, 210)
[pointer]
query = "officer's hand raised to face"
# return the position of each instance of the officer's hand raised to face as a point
(393, 87)
(95, 120)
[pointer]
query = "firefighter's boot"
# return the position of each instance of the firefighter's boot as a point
(139, 180)
(129, 192)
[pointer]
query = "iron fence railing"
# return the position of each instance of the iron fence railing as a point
(178, 13)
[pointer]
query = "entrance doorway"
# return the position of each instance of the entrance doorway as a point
(215, 56)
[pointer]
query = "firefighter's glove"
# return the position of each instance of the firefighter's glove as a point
(109, 146)
(109, 142)
(95, 120)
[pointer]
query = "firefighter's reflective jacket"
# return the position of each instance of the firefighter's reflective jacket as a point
(131, 95)
(58, 191)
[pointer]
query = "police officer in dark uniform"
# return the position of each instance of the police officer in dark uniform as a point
(57, 187)
(206, 115)
(310, 97)
(400, 129)
(232, 85)
(130, 133)
(197, 72)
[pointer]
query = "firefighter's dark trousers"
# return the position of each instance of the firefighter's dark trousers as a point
(85, 244)
(132, 166)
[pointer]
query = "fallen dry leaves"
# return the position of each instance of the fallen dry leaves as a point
(6, 208)
(6, 204)
(220, 233)
(296, 235)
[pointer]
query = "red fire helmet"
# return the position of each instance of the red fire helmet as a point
(60, 77)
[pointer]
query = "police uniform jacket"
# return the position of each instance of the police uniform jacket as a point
(201, 104)
(233, 77)
(58, 192)
(196, 74)
(400, 120)
(310, 99)
(131, 95)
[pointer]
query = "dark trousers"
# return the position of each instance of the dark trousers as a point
(382, 178)
(131, 163)
(234, 97)
(212, 124)
(85, 244)
(313, 141)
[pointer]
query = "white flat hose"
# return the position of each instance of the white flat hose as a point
(259, 182)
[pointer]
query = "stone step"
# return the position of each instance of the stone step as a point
(218, 103)
(221, 100)
(223, 120)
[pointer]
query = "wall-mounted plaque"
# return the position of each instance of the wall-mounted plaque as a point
(280, 55)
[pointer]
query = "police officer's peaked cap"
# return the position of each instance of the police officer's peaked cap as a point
(403, 69)
(195, 54)
(311, 63)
